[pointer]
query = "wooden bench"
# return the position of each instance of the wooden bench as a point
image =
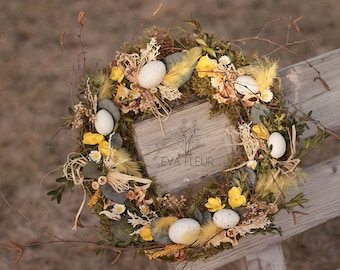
(307, 91)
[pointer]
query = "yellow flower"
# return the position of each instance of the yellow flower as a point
(145, 233)
(235, 197)
(92, 138)
(103, 148)
(261, 131)
(206, 66)
(116, 74)
(214, 204)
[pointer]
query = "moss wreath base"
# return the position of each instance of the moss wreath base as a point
(164, 69)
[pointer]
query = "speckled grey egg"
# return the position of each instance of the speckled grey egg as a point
(226, 218)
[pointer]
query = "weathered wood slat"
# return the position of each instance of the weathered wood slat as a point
(271, 257)
(193, 146)
(306, 91)
(323, 185)
(322, 189)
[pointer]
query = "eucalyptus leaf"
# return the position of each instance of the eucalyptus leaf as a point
(198, 215)
(247, 176)
(113, 195)
(160, 236)
(116, 141)
(121, 230)
(258, 111)
(91, 170)
(110, 107)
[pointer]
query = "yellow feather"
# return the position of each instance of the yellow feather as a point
(180, 67)
(125, 164)
(162, 225)
(266, 184)
(208, 231)
(263, 71)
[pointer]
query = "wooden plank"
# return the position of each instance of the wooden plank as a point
(305, 90)
(195, 146)
(322, 190)
(271, 257)
(192, 148)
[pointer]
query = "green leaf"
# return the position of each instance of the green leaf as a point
(211, 52)
(61, 180)
(201, 42)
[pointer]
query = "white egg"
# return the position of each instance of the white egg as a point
(151, 74)
(104, 122)
(226, 218)
(184, 231)
(246, 85)
(278, 144)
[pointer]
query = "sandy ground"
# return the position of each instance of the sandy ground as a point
(38, 80)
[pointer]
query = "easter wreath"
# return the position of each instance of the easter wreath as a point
(166, 68)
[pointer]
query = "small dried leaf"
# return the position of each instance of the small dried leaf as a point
(158, 9)
(295, 23)
(323, 82)
(80, 17)
(61, 39)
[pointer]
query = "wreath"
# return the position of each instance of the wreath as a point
(162, 70)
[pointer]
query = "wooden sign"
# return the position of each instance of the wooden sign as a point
(193, 147)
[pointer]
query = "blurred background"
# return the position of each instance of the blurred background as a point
(38, 80)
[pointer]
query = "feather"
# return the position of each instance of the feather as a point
(125, 164)
(208, 231)
(278, 186)
(180, 66)
(160, 229)
(263, 71)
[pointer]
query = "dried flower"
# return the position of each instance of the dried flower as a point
(92, 138)
(95, 156)
(252, 164)
(145, 233)
(104, 147)
(214, 204)
(116, 74)
(266, 96)
(94, 199)
(224, 61)
(206, 66)
(260, 131)
(144, 209)
(235, 197)
(119, 208)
